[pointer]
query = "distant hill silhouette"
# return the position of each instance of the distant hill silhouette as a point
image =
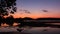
(48, 19)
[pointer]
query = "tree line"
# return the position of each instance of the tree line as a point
(10, 20)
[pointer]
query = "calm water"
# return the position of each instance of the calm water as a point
(33, 30)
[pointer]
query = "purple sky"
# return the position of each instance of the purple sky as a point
(36, 7)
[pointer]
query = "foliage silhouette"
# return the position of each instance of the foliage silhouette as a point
(10, 20)
(7, 6)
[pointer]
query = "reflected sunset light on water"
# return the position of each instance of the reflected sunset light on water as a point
(4, 25)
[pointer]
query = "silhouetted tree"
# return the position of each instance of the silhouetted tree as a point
(10, 20)
(6, 6)
(0, 20)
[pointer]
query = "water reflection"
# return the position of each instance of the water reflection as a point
(33, 30)
(5, 24)
(43, 30)
(16, 24)
(8, 29)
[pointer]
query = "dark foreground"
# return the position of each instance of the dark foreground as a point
(13, 33)
(24, 33)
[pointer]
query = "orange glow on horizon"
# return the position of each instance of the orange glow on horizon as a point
(36, 16)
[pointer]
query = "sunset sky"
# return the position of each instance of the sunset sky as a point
(35, 8)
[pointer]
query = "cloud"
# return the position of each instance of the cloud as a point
(25, 11)
(44, 10)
